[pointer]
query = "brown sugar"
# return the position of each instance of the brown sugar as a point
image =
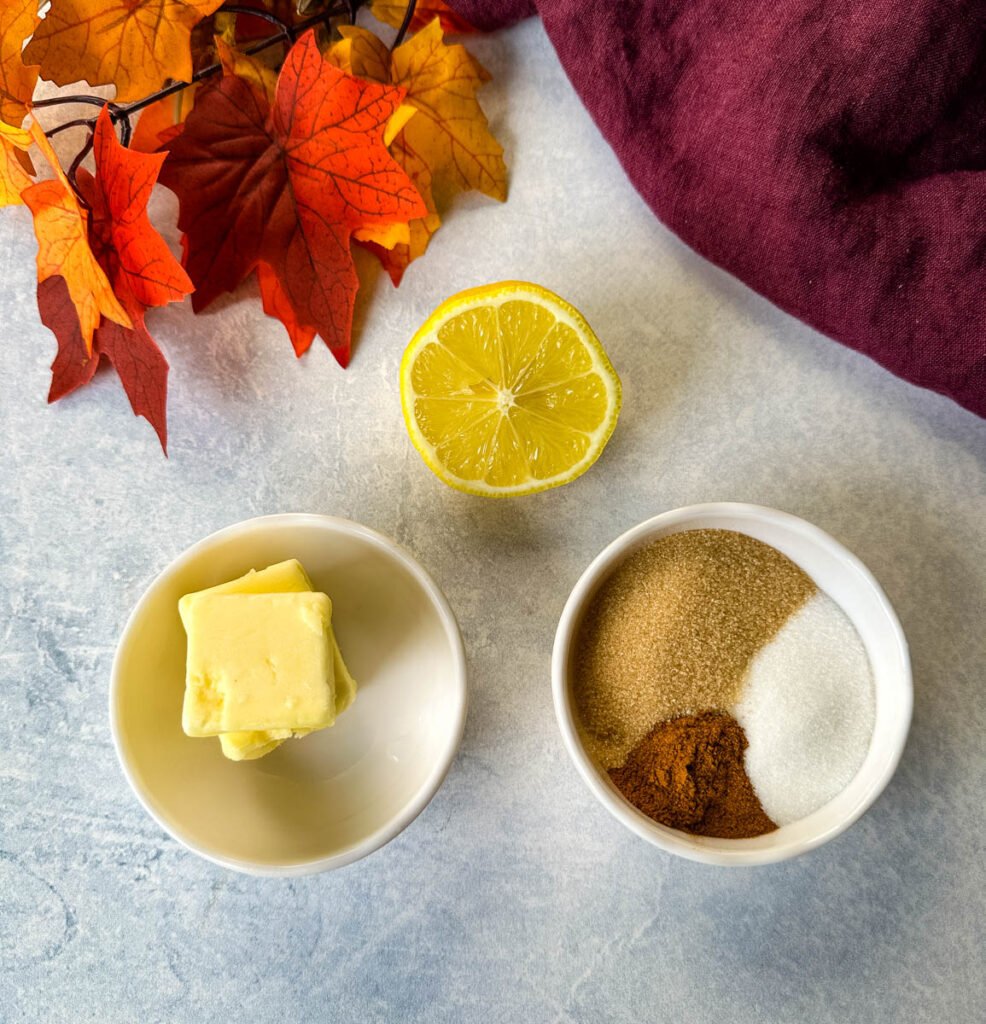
(688, 774)
(672, 632)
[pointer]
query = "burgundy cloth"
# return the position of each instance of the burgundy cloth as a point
(829, 153)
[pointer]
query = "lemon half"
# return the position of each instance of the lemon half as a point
(506, 391)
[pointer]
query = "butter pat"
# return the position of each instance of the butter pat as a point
(281, 578)
(248, 746)
(257, 662)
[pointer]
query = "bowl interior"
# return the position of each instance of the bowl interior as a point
(850, 585)
(338, 793)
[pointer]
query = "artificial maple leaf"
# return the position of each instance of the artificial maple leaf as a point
(135, 45)
(391, 12)
(395, 259)
(447, 145)
(451, 131)
(361, 53)
(138, 361)
(142, 271)
(62, 229)
(139, 263)
(286, 183)
(264, 79)
(251, 70)
(18, 19)
(14, 177)
(277, 304)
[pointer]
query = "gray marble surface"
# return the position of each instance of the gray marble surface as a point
(514, 897)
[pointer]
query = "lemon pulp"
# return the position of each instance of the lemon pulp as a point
(506, 391)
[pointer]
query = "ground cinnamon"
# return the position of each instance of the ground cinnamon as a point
(688, 773)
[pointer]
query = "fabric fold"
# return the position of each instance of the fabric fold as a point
(831, 155)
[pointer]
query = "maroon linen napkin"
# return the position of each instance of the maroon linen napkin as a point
(829, 153)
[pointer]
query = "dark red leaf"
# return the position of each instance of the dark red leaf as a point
(287, 185)
(138, 361)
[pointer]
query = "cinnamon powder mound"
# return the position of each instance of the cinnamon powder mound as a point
(688, 774)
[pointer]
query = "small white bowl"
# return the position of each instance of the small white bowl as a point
(849, 583)
(333, 797)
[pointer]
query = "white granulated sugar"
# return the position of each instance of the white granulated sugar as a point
(807, 710)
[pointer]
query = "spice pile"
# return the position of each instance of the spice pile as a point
(722, 691)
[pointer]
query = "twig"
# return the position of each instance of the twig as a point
(77, 123)
(405, 24)
(74, 169)
(54, 101)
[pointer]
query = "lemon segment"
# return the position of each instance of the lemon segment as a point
(506, 391)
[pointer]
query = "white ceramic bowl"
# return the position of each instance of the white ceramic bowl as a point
(335, 796)
(847, 581)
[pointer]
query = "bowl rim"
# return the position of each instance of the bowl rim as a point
(671, 840)
(383, 835)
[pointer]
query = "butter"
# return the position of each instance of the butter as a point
(258, 662)
(283, 577)
(248, 746)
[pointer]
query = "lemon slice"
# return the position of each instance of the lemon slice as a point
(506, 391)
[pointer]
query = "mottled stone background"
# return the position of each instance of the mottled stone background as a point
(514, 897)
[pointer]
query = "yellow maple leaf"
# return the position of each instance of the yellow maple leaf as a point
(135, 45)
(258, 74)
(447, 144)
(17, 79)
(361, 53)
(451, 131)
(14, 178)
(397, 258)
(62, 228)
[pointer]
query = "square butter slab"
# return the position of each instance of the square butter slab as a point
(258, 662)
(286, 577)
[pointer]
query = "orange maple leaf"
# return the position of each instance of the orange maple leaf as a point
(391, 12)
(285, 184)
(143, 273)
(264, 79)
(17, 79)
(139, 263)
(14, 177)
(135, 45)
(62, 228)
(447, 146)
(162, 121)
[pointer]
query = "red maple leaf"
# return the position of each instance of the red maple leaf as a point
(141, 270)
(285, 184)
